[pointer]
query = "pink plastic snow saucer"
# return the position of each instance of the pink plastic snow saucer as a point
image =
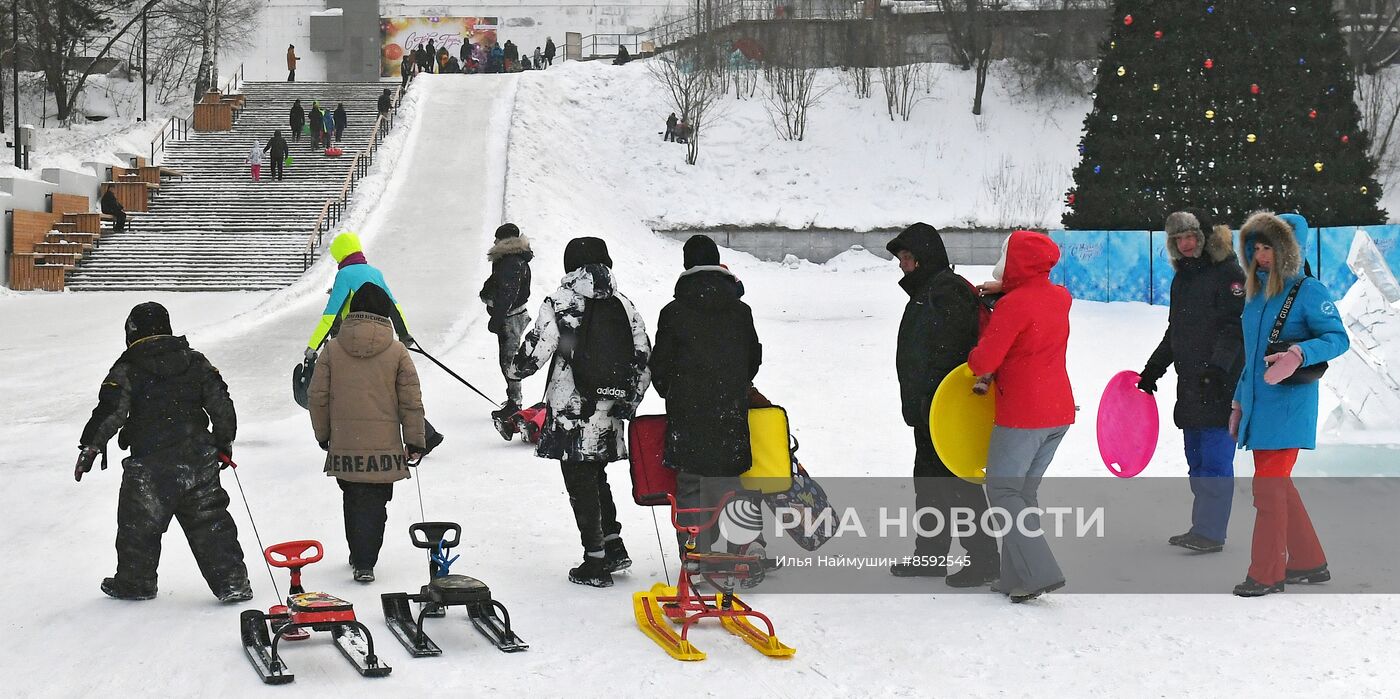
(1127, 426)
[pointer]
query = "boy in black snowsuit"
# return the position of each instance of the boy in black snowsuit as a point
(505, 294)
(162, 396)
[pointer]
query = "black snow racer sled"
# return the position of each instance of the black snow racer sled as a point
(316, 611)
(442, 591)
(301, 381)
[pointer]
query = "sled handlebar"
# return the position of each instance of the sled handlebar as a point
(427, 535)
(292, 554)
(694, 529)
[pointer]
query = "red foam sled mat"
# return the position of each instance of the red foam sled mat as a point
(652, 480)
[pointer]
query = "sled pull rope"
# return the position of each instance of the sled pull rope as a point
(419, 349)
(659, 547)
(254, 522)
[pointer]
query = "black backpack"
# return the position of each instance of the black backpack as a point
(603, 353)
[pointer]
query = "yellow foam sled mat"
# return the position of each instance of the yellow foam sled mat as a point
(771, 471)
(961, 424)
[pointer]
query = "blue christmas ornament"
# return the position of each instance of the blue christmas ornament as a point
(1210, 10)
(1097, 169)
(1081, 149)
(1302, 62)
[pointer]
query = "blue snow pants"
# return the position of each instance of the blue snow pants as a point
(1210, 454)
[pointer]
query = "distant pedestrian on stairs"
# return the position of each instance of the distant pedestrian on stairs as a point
(298, 120)
(386, 102)
(277, 151)
(292, 59)
(539, 56)
(340, 121)
(430, 57)
(314, 121)
(255, 156)
(327, 128)
(549, 51)
(113, 208)
(406, 68)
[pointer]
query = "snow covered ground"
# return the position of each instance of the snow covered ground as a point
(829, 335)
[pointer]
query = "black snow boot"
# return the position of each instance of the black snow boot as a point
(593, 572)
(364, 575)
(1176, 540)
(1319, 574)
(1253, 588)
(116, 590)
(504, 420)
(615, 553)
(1201, 544)
(1019, 596)
(241, 592)
(975, 575)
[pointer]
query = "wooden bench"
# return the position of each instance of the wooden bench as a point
(171, 173)
(132, 195)
(30, 271)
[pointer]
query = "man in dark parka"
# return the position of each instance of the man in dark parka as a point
(938, 330)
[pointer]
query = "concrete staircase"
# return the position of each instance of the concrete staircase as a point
(216, 229)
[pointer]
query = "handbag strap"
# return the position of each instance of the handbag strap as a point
(1283, 312)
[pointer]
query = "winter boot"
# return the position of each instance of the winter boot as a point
(1019, 595)
(1176, 540)
(1253, 588)
(1316, 575)
(364, 575)
(615, 553)
(1201, 544)
(241, 592)
(910, 569)
(504, 419)
(117, 590)
(760, 569)
(975, 575)
(593, 571)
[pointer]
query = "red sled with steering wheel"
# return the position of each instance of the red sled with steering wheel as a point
(304, 612)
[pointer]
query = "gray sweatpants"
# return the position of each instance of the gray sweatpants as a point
(513, 331)
(1016, 463)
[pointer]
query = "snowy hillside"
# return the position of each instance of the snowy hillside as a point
(518, 148)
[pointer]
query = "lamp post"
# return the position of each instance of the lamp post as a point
(14, 24)
(143, 63)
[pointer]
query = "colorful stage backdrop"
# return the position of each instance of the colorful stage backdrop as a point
(399, 35)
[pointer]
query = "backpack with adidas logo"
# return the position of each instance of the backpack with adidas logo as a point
(602, 358)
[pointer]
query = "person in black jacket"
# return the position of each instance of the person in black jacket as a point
(549, 52)
(505, 294)
(386, 102)
(670, 128)
(338, 116)
(1205, 342)
(406, 68)
(276, 149)
(703, 363)
(298, 120)
(430, 57)
(114, 208)
(162, 396)
(938, 330)
(316, 122)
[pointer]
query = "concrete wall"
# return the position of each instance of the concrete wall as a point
(27, 194)
(526, 22)
(816, 245)
(70, 182)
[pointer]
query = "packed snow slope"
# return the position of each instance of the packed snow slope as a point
(427, 216)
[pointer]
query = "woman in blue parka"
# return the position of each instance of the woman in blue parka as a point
(1275, 419)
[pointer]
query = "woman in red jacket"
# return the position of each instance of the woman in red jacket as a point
(1024, 345)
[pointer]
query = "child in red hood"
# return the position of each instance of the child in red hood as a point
(1024, 345)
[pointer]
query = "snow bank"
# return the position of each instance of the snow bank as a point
(855, 170)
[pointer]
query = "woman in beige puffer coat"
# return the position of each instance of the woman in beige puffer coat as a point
(367, 412)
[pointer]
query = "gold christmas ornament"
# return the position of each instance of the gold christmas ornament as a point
(1156, 87)
(1363, 189)
(1210, 113)
(1251, 138)
(1122, 71)
(1317, 166)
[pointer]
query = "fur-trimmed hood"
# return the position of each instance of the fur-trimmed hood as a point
(1218, 246)
(515, 245)
(1271, 229)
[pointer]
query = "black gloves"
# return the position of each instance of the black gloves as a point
(1147, 379)
(495, 325)
(407, 340)
(1213, 381)
(325, 446)
(622, 410)
(226, 451)
(86, 455)
(414, 454)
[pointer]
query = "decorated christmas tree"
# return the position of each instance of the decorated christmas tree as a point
(1231, 106)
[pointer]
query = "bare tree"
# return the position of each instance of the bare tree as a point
(55, 29)
(693, 92)
(970, 35)
(1373, 32)
(791, 86)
